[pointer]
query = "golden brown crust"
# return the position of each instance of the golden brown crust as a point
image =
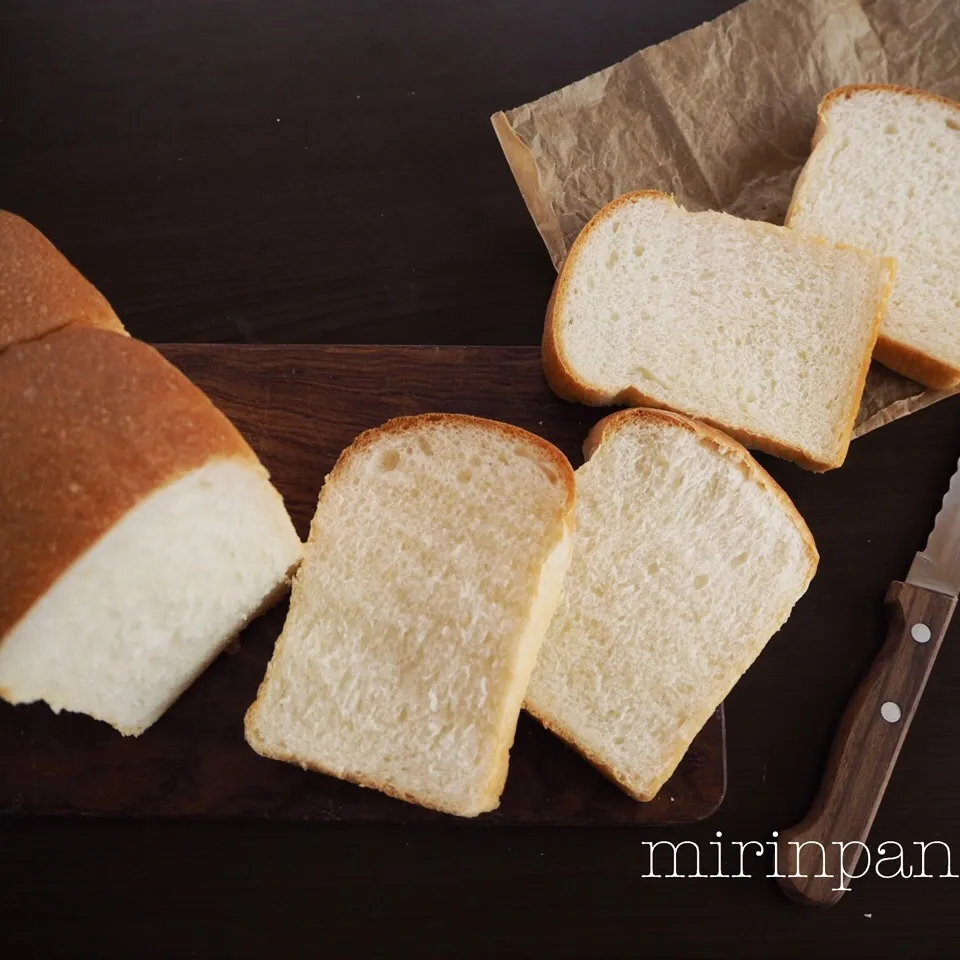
(851, 89)
(902, 357)
(729, 448)
(90, 424)
(570, 738)
(854, 406)
(915, 364)
(615, 776)
(566, 384)
(537, 624)
(398, 426)
(401, 424)
(559, 377)
(428, 803)
(40, 291)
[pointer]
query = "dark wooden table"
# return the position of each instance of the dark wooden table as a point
(325, 172)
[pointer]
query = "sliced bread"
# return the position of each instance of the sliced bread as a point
(39, 289)
(758, 330)
(884, 174)
(138, 531)
(433, 566)
(687, 559)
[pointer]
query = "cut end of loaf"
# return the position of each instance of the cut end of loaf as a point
(434, 564)
(687, 558)
(659, 307)
(136, 618)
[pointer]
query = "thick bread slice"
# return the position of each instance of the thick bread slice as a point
(432, 570)
(753, 328)
(138, 531)
(687, 559)
(885, 174)
(39, 290)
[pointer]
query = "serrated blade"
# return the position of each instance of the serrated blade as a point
(937, 566)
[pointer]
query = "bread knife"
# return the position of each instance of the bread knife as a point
(875, 723)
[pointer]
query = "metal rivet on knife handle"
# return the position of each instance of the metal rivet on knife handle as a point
(890, 712)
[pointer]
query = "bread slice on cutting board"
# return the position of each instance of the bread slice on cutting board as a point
(687, 558)
(40, 291)
(138, 531)
(433, 567)
(884, 174)
(758, 330)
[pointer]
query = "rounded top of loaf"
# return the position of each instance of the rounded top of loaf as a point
(724, 445)
(40, 290)
(465, 423)
(91, 423)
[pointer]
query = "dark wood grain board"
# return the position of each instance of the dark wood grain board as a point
(299, 406)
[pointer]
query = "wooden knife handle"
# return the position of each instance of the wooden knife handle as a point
(819, 855)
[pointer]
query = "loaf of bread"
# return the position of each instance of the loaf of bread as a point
(39, 290)
(434, 563)
(884, 174)
(687, 559)
(138, 531)
(756, 329)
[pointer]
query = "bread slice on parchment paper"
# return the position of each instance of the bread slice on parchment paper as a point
(884, 174)
(754, 328)
(138, 531)
(687, 558)
(40, 291)
(433, 567)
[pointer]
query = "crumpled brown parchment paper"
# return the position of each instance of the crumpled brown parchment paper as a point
(721, 116)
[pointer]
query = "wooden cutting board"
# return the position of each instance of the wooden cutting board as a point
(299, 406)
